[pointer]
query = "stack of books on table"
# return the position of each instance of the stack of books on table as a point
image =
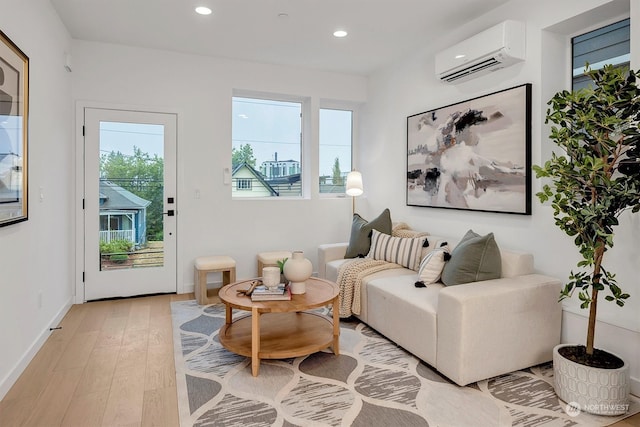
(262, 293)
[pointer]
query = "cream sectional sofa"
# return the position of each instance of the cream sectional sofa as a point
(467, 332)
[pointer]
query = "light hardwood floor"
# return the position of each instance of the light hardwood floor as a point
(110, 365)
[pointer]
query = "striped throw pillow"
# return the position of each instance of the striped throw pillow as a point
(432, 265)
(403, 251)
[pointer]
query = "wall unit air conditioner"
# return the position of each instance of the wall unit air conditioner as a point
(497, 47)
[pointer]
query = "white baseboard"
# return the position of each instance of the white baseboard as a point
(635, 386)
(13, 375)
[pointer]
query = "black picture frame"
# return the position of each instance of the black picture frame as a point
(473, 155)
(14, 109)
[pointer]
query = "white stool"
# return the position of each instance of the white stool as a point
(212, 264)
(270, 259)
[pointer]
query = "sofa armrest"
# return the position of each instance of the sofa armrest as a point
(327, 253)
(497, 326)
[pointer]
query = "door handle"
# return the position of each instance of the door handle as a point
(170, 212)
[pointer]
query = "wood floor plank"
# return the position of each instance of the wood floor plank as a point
(131, 360)
(160, 369)
(139, 316)
(96, 313)
(78, 350)
(15, 412)
(112, 332)
(126, 396)
(160, 408)
(86, 409)
(160, 331)
(98, 373)
(135, 338)
(120, 308)
(160, 306)
(52, 404)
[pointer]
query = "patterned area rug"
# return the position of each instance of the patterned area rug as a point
(372, 383)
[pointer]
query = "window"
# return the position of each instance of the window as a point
(336, 135)
(243, 184)
(266, 147)
(606, 45)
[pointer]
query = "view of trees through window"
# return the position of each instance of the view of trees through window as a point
(131, 195)
(607, 45)
(142, 175)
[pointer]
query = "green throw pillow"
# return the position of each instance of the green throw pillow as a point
(360, 240)
(474, 259)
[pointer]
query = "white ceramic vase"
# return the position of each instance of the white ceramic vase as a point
(595, 390)
(297, 270)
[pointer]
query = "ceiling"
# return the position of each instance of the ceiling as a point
(286, 32)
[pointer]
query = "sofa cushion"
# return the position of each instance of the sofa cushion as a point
(474, 259)
(360, 239)
(403, 251)
(433, 263)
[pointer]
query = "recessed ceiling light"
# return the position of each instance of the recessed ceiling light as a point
(203, 10)
(460, 56)
(340, 33)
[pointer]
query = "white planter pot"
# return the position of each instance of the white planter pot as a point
(595, 390)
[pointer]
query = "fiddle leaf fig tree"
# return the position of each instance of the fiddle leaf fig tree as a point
(595, 177)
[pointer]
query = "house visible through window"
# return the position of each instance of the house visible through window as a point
(336, 135)
(606, 45)
(266, 148)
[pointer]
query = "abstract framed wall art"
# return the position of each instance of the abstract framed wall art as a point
(14, 107)
(473, 155)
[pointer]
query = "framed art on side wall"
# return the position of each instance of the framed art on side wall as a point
(14, 105)
(473, 155)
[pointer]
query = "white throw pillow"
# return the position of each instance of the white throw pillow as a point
(403, 251)
(432, 265)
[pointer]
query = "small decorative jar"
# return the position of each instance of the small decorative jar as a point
(297, 270)
(271, 277)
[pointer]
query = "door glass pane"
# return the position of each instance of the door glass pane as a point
(131, 195)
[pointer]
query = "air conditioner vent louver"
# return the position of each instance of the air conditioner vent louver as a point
(489, 63)
(497, 47)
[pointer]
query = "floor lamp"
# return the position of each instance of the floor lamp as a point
(354, 188)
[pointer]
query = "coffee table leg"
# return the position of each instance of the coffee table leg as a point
(336, 326)
(228, 314)
(255, 341)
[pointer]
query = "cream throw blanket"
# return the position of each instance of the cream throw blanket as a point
(350, 276)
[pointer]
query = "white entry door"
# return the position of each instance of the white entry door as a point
(129, 203)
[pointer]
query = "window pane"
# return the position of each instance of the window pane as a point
(335, 149)
(266, 148)
(606, 45)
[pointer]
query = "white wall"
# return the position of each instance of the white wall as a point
(36, 255)
(410, 87)
(199, 89)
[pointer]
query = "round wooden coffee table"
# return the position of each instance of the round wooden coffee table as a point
(280, 329)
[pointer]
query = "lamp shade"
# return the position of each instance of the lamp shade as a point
(354, 184)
